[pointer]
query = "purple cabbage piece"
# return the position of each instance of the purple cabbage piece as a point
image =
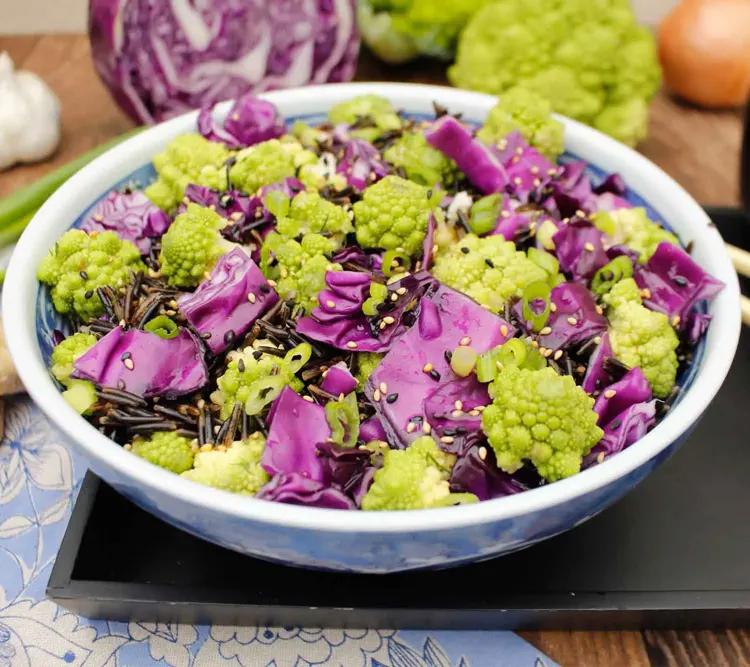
(363, 486)
(248, 122)
(290, 186)
(297, 426)
(611, 202)
(338, 380)
(131, 216)
(623, 251)
(168, 367)
(234, 296)
(439, 408)
(613, 183)
(160, 59)
(361, 164)
(345, 322)
(624, 430)
(232, 204)
(696, 326)
(402, 369)
(344, 467)
(295, 489)
(372, 429)
(481, 166)
(573, 302)
(481, 476)
(516, 218)
(358, 257)
(579, 246)
(528, 173)
(631, 389)
(675, 282)
(571, 191)
(596, 377)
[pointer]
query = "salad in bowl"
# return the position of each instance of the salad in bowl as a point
(379, 310)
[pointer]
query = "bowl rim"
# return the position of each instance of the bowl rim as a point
(21, 286)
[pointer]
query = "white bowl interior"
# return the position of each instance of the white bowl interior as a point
(674, 205)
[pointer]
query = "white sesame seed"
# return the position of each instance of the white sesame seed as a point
(599, 309)
(466, 340)
(646, 293)
(426, 428)
(504, 330)
(207, 447)
(401, 291)
(251, 297)
(206, 275)
(394, 297)
(534, 169)
(459, 405)
(284, 272)
(446, 439)
(427, 367)
(389, 320)
(534, 343)
(474, 412)
(580, 213)
(548, 352)
(610, 393)
(127, 447)
(589, 247)
(351, 345)
(597, 340)
(545, 331)
(456, 413)
(272, 283)
(572, 320)
(600, 457)
(129, 364)
(382, 325)
(331, 304)
(542, 349)
(675, 320)
(309, 399)
(553, 306)
(483, 453)
(517, 180)
(410, 427)
(558, 354)
(383, 388)
(376, 395)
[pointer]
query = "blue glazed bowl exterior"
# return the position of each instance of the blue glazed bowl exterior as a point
(364, 542)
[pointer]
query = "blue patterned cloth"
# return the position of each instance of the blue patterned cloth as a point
(39, 480)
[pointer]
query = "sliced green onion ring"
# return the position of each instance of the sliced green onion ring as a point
(395, 261)
(344, 422)
(298, 356)
(487, 368)
(484, 213)
(378, 294)
(263, 392)
(536, 291)
(512, 353)
(606, 277)
(162, 326)
(548, 262)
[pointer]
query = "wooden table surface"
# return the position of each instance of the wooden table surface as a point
(699, 149)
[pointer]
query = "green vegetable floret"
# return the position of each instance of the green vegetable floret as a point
(189, 158)
(265, 164)
(253, 382)
(80, 263)
(641, 337)
(393, 213)
(527, 112)
(308, 136)
(633, 228)
(236, 469)
(192, 245)
(298, 267)
(309, 213)
(588, 57)
(80, 394)
(489, 269)
(422, 163)
(542, 417)
(366, 363)
(166, 450)
(379, 111)
(414, 478)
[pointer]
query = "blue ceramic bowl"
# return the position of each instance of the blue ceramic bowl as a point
(374, 542)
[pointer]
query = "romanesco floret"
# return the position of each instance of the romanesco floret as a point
(309, 213)
(633, 228)
(298, 267)
(490, 269)
(366, 363)
(377, 110)
(588, 57)
(414, 478)
(192, 245)
(66, 352)
(524, 111)
(263, 164)
(307, 135)
(80, 263)
(189, 158)
(641, 337)
(393, 213)
(542, 417)
(166, 450)
(422, 163)
(240, 385)
(236, 469)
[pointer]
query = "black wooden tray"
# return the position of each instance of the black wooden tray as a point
(673, 553)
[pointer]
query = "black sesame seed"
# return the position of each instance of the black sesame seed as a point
(434, 375)
(416, 419)
(241, 366)
(391, 398)
(121, 384)
(489, 263)
(465, 250)
(125, 355)
(448, 355)
(88, 294)
(265, 289)
(84, 275)
(229, 337)
(681, 281)
(206, 335)
(460, 430)
(257, 355)
(615, 424)
(450, 431)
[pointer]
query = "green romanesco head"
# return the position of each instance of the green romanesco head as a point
(298, 267)
(80, 263)
(309, 213)
(490, 269)
(264, 164)
(393, 213)
(253, 379)
(166, 450)
(192, 245)
(542, 417)
(414, 478)
(66, 352)
(632, 227)
(366, 363)
(236, 469)
(525, 111)
(641, 337)
(189, 158)
(588, 57)
(422, 163)
(399, 30)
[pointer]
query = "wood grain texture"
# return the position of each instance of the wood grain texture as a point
(699, 149)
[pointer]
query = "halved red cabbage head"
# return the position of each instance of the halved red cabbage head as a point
(248, 122)
(446, 320)
(144, 363)
(160, 59)
(579, 246)
(675, 283)
(361, 164)
(230, 300)
(131, 215)
(296, 489)
(624, 430)
(616, 398)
